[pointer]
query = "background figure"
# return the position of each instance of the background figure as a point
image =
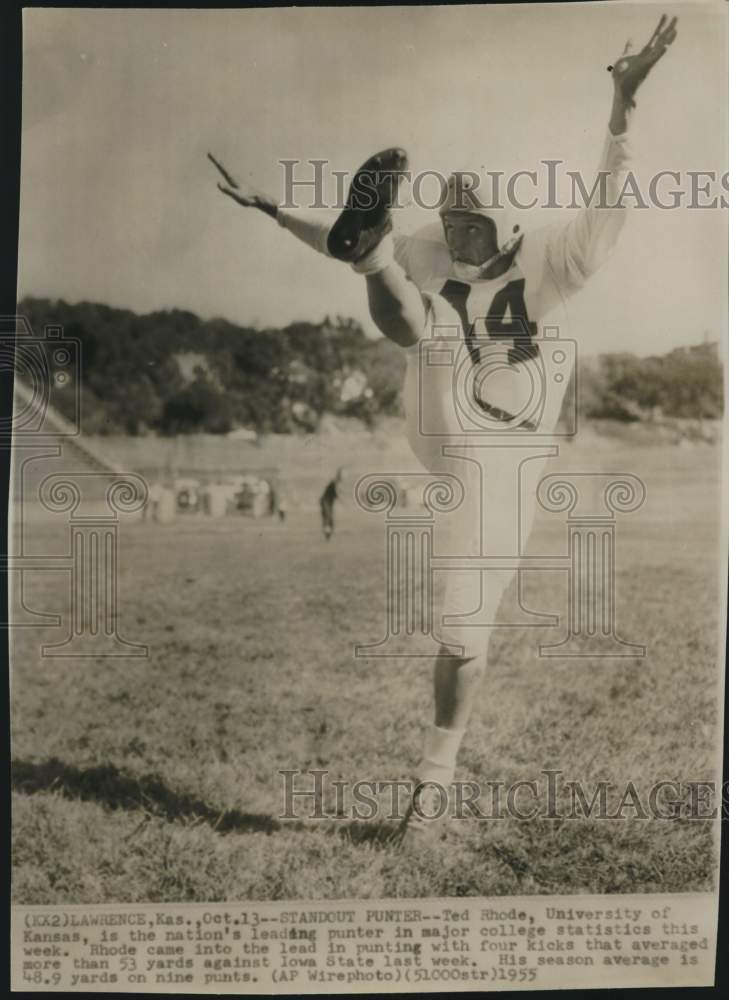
(326, 502)
(282, 505)
(154, 494)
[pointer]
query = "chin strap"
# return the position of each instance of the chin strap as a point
(493, 266)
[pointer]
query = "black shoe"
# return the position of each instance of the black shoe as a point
(425, 818)
(366, 217)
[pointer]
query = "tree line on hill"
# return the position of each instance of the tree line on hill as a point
(171, 372)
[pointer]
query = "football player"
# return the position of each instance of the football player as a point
(475, 269)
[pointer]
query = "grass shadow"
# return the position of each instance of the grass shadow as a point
(110, 787)
(377, 833)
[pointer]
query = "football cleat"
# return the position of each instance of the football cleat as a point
(426, 814)
(365, 218)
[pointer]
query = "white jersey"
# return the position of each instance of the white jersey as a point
(511, 360)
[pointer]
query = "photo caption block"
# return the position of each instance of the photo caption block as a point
(535, 942)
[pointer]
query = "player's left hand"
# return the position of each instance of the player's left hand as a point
(243, 193)
(231, 187)
(631, 70)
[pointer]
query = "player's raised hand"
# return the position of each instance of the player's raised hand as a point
(246, 195)
(219, 166)
(231, 187)
(631, 69)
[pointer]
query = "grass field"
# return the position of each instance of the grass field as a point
(156, 779)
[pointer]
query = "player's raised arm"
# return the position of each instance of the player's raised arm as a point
(578, 249)
(245, 194)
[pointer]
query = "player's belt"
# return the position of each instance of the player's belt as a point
(498, 414)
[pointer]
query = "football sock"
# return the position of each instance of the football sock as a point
(377, 259)
(439, 755)
(309, 225)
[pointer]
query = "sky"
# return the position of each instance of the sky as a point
(119, 203)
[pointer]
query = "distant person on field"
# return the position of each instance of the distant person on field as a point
(282, 506)
(326, 502)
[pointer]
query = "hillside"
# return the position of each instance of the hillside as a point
(171, 373)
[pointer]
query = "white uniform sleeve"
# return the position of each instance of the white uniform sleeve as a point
(577, 250)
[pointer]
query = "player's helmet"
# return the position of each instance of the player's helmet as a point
(460, 194)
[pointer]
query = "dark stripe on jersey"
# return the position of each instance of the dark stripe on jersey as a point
(456, 294)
